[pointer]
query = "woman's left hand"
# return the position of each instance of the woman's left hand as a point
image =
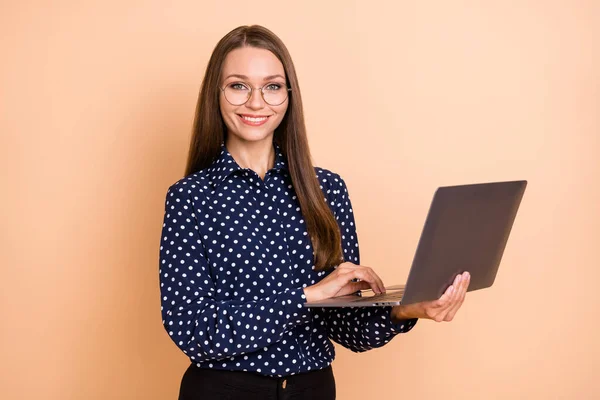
(442, 309)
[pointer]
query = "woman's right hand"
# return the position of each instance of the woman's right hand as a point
(340, 282)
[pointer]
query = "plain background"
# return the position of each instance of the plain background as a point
(96, 106)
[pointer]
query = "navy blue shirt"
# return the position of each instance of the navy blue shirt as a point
(234, 259)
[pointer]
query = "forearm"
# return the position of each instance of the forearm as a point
(363, 328)
(403, 313)
(210, 329)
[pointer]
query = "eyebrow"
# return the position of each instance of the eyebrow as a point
(266, 78)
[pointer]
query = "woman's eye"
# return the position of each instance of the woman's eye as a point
(273, 86)
(238, 86)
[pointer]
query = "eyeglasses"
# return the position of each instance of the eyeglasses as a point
(238, 93)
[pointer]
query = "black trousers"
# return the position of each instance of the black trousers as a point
(208, 384)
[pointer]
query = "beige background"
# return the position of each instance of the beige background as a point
(96, 106)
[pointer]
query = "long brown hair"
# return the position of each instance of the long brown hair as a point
(209, 132)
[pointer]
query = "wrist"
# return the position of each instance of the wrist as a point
(309, 293)
(400, 313)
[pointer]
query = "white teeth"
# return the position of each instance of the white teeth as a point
(254, 119)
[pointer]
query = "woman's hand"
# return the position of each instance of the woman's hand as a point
(339, 282)
(442, 309)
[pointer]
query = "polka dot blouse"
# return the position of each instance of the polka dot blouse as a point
(234, 259)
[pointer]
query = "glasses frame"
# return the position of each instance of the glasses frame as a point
(262, 94)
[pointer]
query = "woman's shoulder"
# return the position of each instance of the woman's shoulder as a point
(194, 183)
(331, 182)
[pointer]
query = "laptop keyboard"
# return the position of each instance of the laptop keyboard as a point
(395, 295)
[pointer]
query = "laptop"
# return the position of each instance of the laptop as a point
(466, 229)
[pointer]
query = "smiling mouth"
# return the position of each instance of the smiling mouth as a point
(254, 121)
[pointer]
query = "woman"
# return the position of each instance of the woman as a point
(254, 231)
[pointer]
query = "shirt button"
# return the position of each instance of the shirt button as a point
(284, 384)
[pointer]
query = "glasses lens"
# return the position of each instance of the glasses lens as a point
(275, 93)
(236, 93)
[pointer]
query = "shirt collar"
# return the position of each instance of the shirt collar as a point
(225, 165)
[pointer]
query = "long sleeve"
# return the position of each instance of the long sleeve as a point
(202, 326)
(357, 328)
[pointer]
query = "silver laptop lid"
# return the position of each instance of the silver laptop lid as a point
(466, 229)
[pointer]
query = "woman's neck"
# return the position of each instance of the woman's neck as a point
(258, 156)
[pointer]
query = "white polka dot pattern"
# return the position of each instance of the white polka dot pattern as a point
(234, 259)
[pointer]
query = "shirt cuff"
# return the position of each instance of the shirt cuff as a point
(293, 301)
(403, 325)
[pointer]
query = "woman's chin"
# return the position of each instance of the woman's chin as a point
(253, 135)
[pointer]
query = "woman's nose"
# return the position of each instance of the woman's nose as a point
(255, 101)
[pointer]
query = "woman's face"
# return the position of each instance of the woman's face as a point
(255, 120)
